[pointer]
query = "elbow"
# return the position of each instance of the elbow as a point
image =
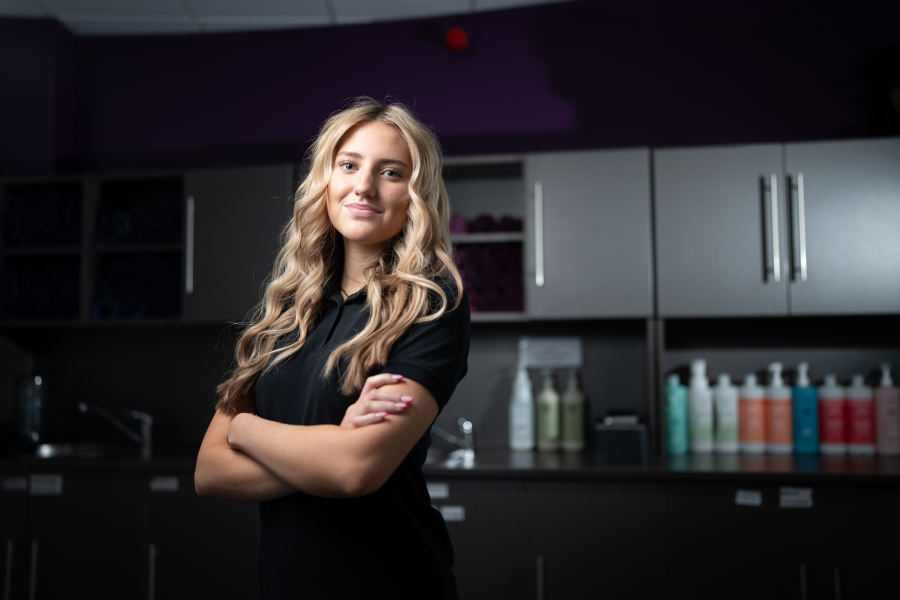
(201, 486)
(358, 482)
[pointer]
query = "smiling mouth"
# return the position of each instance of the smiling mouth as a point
(362, 210)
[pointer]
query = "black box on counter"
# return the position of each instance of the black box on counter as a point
(616, 441)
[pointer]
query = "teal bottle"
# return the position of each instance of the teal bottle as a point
(677, 434)
(806, 413)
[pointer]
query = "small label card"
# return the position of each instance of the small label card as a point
(164, 484)
(46, 485)
(453, 513)
(748, 498)
(550, 352)
(438, 491)
(791, 497)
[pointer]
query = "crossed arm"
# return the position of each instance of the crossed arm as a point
(250, 459)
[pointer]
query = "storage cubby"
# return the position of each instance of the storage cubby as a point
(139, 285)
(139, 211)
(486, 199)
(39, 287)
(41, 215)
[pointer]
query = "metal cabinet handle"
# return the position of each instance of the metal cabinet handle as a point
(189, 248)
(538, 233)
(802, 582)
(801, 225)
(151, 573)
(32, 585)
(837, 583)
(7, 581)
(776, 247)
(540, 578)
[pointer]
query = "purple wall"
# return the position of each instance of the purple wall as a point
(571, 75)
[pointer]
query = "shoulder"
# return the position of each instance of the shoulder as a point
(455, 296)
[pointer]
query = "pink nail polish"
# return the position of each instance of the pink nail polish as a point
(381, 415)
(406, 398)
(401, 405)
(398, 377)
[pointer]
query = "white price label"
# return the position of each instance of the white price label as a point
(438, 491)
(164, 484)
(14, 484)
(790, 497)
(453, 513)
(748, 498)
(46, 485)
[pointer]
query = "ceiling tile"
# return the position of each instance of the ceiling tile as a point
(387, 10)
(261, 8)
(20, 8)
(114, 7)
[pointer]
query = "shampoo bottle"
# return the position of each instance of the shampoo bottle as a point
(701, 409)
(753, 419)
(778, 398)
(726, 408)
(887, 414)
(806, 413)
(548, 414)
(676, 417)
(521, 413)
(832, 418)
(860, 418)
(572, 402)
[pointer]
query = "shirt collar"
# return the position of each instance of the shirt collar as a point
(332, 290)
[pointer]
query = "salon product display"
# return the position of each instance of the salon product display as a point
(547, 414)
(805, 413)
(701, 409)
(778, 404)
(521, 413)
(832, 417)
(753, 418)
(860, 418)
(726, 415)
(572, 415)
(887, 414)
(677, 436)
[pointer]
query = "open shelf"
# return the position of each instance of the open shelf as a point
(488, 237)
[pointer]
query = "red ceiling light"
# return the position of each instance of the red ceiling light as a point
(457, 39)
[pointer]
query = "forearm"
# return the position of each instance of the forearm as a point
(226, 473)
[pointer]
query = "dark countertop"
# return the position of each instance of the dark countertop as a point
(561, 466)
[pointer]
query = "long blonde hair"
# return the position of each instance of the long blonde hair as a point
(401, 288)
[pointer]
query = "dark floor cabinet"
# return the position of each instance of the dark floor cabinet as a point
(837, 548)
(123, 536)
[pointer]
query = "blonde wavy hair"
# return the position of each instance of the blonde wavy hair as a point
(401, 290)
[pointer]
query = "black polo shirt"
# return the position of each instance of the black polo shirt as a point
(390, 543)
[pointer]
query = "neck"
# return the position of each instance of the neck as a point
(357, 257)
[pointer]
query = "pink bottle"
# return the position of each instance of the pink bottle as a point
(832, 418)
(860, 418)
(887, 414)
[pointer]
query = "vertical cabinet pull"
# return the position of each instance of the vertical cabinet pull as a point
(32, 584)
(803, 582)
(776, 246)
(189, 248)
(151, 573)
(837, 583)
(801, 225)
(7, 580)
(538, 233)
(540, 578)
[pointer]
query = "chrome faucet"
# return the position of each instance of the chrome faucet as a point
(145, 439)
(464, 441)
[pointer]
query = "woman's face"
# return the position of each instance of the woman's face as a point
(368, 190)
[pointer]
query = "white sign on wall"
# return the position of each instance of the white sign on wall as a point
(550, 352)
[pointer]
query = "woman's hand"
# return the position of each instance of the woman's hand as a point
(374, 404)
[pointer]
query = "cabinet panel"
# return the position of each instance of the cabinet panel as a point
(851, 210)
(15, 544)
(87, 539)
(238, 218)
(714, 232)
(596, 234)
(204, 548)
(488, 554)
(596, 539)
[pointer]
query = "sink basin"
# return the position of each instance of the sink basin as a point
(83, 450)
(457, 459)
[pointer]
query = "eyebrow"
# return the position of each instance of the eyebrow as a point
(383, 161)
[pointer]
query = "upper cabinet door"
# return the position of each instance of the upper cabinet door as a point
(845, 213)
(720, 232)
(237, 220)
(587, 242)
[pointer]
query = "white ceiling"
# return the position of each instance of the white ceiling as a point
(144, 17)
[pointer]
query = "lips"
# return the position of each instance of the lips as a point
(362, 210)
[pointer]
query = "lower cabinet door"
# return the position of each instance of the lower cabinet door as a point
(198, 547)
(595, 540)
(737, 541)
(485, 520)
(85, 536)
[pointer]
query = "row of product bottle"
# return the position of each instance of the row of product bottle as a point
(779, 419)
(555, 421)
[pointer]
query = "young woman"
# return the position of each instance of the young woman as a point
(359, 342)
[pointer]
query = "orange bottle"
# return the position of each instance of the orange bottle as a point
(753, 419)
(781, 425)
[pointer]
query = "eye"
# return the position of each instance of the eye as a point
(393, 174)
(346, 166)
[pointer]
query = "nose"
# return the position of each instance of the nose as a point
(363, 184)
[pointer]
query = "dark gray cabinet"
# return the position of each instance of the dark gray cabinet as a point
(595, 539)
(232, 238)
(199, 548)
(800, 229)
(721, 236)
(15, 544)
(845, 221)
(587, 242)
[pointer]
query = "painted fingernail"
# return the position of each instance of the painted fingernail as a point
(406, 398)
(381, 415)
(397, 377)
(401, 405)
